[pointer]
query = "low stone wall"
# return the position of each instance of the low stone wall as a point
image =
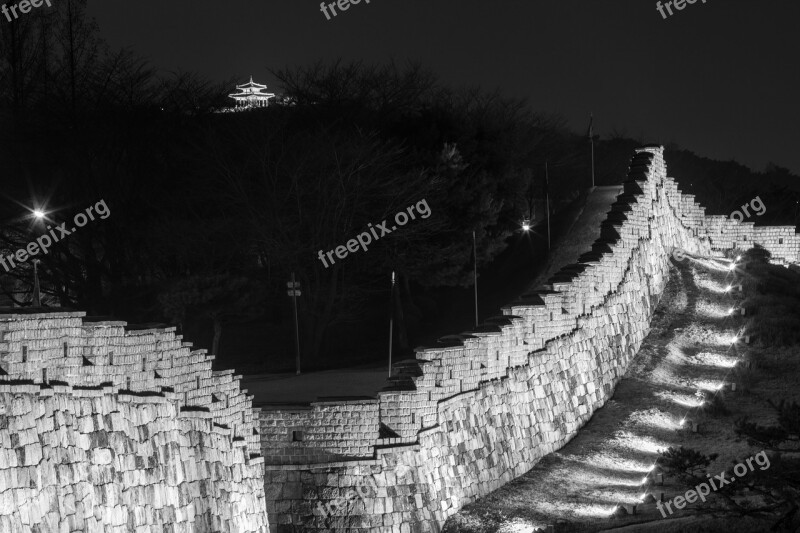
(106, 429)
(484, 406)
(325, 431)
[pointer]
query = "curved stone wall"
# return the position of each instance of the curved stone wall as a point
(105, 427)
(482, 408)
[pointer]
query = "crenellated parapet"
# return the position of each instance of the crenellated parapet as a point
(482, 407)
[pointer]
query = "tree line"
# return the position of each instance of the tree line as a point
(213, 212)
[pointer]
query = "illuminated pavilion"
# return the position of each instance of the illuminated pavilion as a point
(251, 94)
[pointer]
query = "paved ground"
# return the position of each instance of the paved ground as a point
(289, 388)
(293, 389)
(579, 238)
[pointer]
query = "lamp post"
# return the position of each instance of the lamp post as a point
(391, 323)
(294, 292)
(475, 274)
(37, 300)
(38, 214)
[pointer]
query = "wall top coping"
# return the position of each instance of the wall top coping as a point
(287, 407)
(105, 324)
(322, 466)
(87, 392)
(486, 329)
(344, 400)
(442, 348)
(146, 329)
(92, 321)
(25, 313)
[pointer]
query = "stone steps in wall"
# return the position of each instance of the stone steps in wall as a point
(622, 206)
(636, 184)
(489, 328)
(568, 273)
(617, 218)
(501, 320)
(530, 299)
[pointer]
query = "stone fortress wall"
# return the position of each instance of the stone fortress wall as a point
(104, 428)
(482, 407)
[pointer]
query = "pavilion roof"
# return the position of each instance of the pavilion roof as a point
(251, 95)
(251, 84)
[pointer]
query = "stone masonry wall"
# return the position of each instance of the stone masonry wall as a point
(483, 407)
(328, 431)
(108, 429)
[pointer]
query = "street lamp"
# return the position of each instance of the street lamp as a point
(38, 214)
(526, 225)
(37, 299)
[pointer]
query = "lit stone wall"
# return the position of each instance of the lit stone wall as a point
(108, 429)
(326, 431)
(483, 407)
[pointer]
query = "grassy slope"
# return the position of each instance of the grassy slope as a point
(577, 487)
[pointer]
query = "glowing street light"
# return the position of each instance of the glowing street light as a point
(526, 225)
(38, 213)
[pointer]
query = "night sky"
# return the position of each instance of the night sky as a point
(719, 78)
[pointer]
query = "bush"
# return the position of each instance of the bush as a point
(685, 462)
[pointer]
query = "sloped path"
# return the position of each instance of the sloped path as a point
(577, 488)
(578, 239)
